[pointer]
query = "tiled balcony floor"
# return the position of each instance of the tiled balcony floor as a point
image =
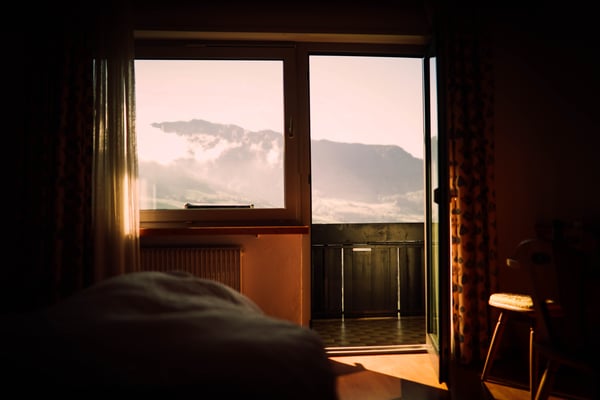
(360, 332)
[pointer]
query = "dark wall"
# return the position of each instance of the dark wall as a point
(547, 131)
(286, 16)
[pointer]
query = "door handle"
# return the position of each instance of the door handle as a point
(436, 195)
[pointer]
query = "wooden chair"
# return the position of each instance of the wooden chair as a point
(512, 306)
(558, 340)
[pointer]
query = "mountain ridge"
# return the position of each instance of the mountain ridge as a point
(360, 182)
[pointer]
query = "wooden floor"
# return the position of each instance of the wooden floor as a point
(387, 377)
(412, 377)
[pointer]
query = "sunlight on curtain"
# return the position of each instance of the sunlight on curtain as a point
(473, 204)
(115, 173)
(466, 48)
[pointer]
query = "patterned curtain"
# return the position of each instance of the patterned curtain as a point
(53, 165)
(469, 120)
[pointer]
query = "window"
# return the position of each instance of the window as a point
(216, 140)
(224, 130)
(210, 133)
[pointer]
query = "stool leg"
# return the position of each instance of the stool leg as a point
(532, 364)
(494, 346)
(546, 381)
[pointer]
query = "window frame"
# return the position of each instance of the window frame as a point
(291, 213)
(295, 56)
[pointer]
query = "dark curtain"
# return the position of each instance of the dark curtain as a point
(50, 74)
(468, 78)
(52, 250)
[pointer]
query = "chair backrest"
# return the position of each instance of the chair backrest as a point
(578, 262)
(551, 268)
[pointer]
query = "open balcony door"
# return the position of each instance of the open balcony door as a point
(437, 229)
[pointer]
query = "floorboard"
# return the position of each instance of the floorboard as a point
(385, 359)
(412, 377)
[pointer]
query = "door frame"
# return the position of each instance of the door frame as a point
(440, 352)
(437, 238)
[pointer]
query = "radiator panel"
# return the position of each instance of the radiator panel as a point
(221, 264)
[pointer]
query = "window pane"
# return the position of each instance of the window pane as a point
(209, 132)
(366, 127)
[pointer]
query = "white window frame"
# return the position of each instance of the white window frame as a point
(294, 55)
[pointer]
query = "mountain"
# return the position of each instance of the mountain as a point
(351, 182)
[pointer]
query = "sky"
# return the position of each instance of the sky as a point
(371, 100)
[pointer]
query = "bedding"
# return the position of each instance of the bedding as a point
(166, 332)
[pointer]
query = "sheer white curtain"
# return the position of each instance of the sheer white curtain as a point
(115, 170)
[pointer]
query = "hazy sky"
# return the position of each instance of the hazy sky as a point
(372, 100)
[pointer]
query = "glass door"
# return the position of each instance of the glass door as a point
(437, 247)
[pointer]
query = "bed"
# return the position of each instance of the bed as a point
(166, 332)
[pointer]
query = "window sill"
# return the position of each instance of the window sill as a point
(225, 230)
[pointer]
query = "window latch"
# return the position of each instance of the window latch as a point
(291, 129)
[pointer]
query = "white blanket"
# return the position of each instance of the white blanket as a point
(168, 331)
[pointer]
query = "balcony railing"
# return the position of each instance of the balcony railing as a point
(367, 270)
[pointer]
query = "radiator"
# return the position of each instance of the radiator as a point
(222, 264)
